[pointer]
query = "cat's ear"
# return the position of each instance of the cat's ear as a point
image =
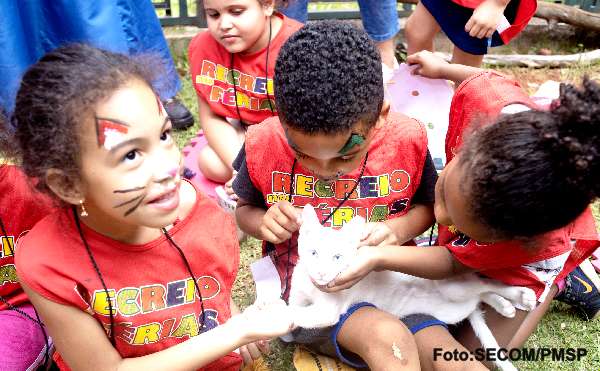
(354, 228)
(309, 216)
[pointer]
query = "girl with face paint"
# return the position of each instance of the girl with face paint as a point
(134, 270)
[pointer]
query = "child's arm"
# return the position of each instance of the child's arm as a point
(216, 128)
(431, 262)
(83, 343)
(435, 67)
(399, 230)
(486, 18)
(251, 351)
(276, 224)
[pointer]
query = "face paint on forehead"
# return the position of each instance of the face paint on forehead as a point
(161, 109)
(354, 140)
(110, 132)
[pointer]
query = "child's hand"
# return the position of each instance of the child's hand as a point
(364, 262)
(253, 351)
(486, 18)
(378, 234)
(428, 64)
(262, 321)
(279, 222)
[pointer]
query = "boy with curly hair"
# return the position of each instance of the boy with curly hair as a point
(337, 146)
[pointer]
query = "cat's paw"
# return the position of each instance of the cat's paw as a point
(505, 308)
(527, 299)
(310, 318)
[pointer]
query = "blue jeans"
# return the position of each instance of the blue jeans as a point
(31, 28)
(379, 18)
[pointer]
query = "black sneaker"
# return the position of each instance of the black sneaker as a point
(581, 293)
(181, 118)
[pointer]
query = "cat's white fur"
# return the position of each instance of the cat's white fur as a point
(325, 252)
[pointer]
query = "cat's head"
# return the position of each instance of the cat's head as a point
(325, 252)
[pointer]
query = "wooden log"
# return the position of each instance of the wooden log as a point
(537, 61)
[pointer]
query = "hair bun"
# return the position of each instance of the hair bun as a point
(573, 134)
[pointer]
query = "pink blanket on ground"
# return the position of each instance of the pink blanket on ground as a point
(190, 161)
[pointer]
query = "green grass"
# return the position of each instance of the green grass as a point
(560, 328)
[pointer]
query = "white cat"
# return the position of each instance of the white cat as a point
(325, 252)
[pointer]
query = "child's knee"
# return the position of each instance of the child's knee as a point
(381, 340)
(212, 167)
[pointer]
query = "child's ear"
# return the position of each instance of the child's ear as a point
(385, 109)
(65, 187)
(269, 8)
(309, 217)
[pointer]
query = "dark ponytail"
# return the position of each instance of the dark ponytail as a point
(536, 171)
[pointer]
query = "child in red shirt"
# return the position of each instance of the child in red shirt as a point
(235, 58)
(136, 270)
(24, 343)
(508, 199)
(336, 146)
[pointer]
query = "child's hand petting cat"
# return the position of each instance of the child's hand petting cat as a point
(262, 321)
(363, 263)
(486, 18)
(279, 222)
(378, 234)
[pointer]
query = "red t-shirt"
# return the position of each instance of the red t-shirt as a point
(21, 207)
(390, 179)
(210, 64)
(479, 100)
(150, 288)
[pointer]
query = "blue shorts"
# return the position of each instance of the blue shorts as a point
(324, 340)
(454, 25)
(380, 18)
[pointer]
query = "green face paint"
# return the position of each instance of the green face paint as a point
(354, 140)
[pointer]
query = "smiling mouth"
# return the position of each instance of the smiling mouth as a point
(164, 197)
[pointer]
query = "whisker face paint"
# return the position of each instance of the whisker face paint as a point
(110, 132)
(128, 202)
(136, 205)
(129, 190)
(139, 198)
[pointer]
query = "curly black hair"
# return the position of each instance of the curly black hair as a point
(536, 171)
(57, 96)
(328, 78)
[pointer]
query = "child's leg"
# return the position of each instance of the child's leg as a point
(433, 342)
(380, 20)
(380, 339)
(461, 57)
(421, 27)
(211, 165)
(22, 344)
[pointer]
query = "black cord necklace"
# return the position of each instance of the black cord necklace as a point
(237, 107)
(340, 204)
(37, 320)
(95, 264)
